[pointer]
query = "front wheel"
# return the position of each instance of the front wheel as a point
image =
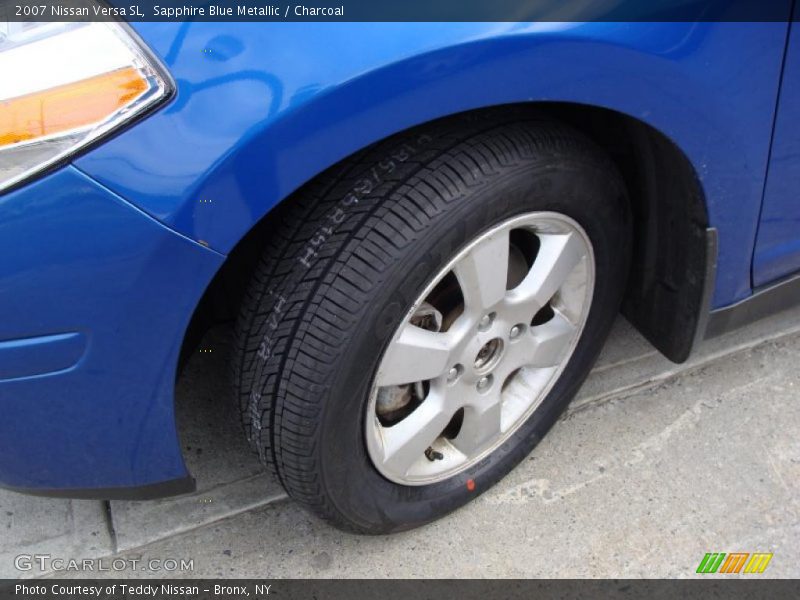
(429, 310)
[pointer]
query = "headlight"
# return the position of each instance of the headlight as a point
(64, 85)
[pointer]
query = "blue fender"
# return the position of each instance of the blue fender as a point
(261, 108)
(95, 297)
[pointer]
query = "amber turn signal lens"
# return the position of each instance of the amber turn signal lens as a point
(68, 107)
(66, 85)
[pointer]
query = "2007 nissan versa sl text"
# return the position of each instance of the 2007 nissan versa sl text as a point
(423, 232)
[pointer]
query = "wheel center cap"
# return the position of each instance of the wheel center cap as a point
(488, 355)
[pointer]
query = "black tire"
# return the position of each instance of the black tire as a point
(347, 258)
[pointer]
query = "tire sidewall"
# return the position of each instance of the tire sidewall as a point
(580, 189)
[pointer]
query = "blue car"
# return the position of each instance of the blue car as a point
(422, 231)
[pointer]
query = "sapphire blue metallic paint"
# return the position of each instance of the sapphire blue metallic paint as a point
(40, 355)
(778, 247)
(278, 103)
(105, 260)
(95, 299)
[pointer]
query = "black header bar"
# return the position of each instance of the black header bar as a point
(399, 10)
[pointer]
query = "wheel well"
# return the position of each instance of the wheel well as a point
(667, 288)
(672, 271)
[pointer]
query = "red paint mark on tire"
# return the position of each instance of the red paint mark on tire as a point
(471, 485)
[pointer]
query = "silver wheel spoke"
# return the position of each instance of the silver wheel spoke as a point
(483, 272)
(481, 425)
(551, 341)
(417, 355)
(558, 255)
(519, 353)
(405, 443)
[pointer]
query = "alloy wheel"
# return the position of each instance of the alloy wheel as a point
(480, 348)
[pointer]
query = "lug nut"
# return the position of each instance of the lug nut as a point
(516, 331)
(486, 322)
(484, 383)
(453, 373)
